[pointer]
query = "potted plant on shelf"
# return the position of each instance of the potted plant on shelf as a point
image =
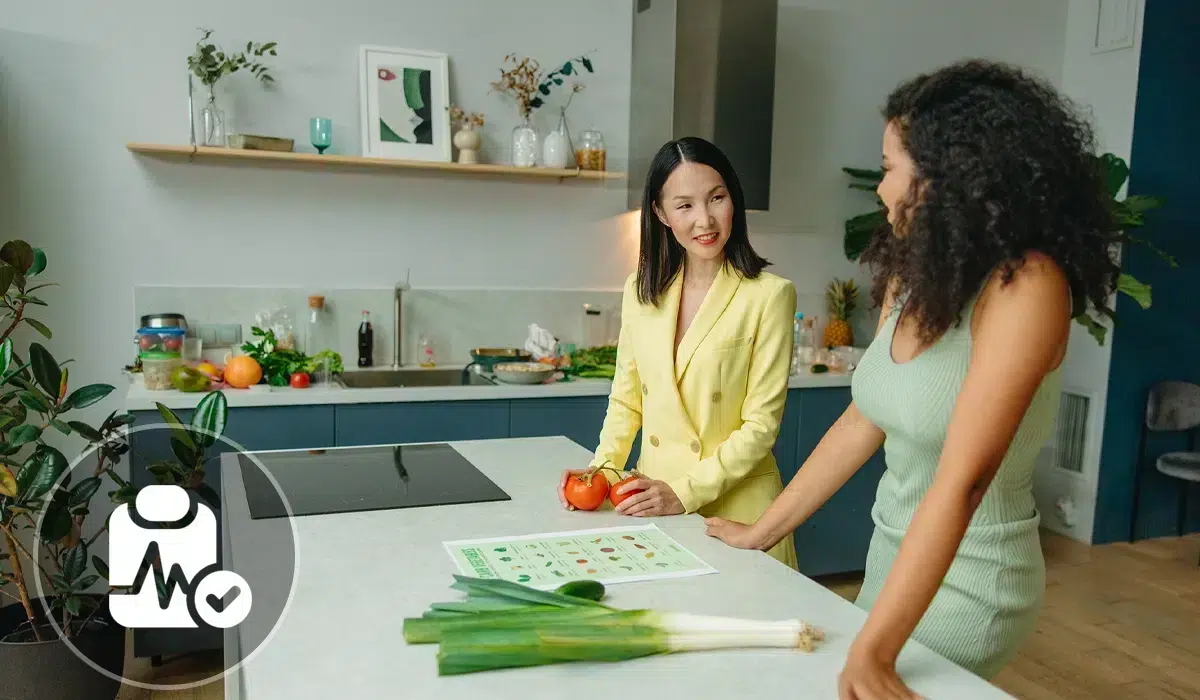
(1128, 213)
(44, 541)
(527, 85)
(210, 63)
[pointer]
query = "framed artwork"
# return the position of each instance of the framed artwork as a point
(405, 101)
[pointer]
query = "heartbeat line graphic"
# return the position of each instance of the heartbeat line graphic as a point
(176, 579)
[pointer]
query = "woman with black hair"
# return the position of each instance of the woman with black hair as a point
(704, 352)
(998, 236)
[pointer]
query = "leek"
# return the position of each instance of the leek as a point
(507, 625)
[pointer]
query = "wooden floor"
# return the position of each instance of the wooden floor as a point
(1121, 622)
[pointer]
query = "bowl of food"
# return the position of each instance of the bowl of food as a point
(523, 372)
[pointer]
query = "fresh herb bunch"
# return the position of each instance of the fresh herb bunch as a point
(278, 365)
(598, 362)
(210, 63)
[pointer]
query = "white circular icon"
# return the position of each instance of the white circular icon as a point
(222, 599)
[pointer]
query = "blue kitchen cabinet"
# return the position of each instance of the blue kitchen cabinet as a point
(424, 421)
(252, 428)
(785, 443)
(834, 539)
(578, 418)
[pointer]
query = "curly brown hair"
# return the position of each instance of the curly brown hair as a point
(1004, 166)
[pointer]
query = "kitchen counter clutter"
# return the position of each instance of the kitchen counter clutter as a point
(359, 574)
(139, 398)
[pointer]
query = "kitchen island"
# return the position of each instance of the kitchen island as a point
(833, 541)
(359, 574)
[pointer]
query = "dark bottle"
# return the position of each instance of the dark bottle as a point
(366, 340)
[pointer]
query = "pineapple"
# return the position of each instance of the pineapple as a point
(841, 297)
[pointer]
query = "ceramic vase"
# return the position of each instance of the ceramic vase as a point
(467, 141)
(556, 150)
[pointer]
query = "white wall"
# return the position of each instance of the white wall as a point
(1107, 83)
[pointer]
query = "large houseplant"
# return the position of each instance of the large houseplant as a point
(1127, 214)
(46, 541)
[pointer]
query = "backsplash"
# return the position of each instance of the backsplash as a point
(454, 320)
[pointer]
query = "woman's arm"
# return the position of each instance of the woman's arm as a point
(624, 416)
(1019, 335)
(844, 449)
(846, 446)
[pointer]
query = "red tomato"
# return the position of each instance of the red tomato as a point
(145, 342)
(586, 492)
(173, 344)
(615, 497)
(300, 380)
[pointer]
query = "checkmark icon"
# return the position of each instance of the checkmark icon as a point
(222, 604)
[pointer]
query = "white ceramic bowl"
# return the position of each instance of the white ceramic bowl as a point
(522, 372)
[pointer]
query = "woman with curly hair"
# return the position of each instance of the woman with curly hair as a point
(998, 236)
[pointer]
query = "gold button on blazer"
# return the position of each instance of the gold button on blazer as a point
(711, 409)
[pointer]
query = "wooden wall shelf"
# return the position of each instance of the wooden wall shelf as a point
(312, 160)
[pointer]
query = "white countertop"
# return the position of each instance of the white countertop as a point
(360, 574)
(138, 398)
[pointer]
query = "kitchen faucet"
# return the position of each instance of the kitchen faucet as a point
(397, 303)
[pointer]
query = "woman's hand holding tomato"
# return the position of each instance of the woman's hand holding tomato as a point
(584, 490)
(642, 497)
(619, 492)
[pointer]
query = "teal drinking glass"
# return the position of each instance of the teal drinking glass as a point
(320, 131)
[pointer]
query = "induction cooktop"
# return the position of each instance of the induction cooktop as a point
(350, 479)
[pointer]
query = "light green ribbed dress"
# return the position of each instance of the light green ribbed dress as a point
(990, 598)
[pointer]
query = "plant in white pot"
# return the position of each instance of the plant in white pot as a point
(46, 542)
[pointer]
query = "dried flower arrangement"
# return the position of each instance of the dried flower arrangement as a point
(465, 120)
(526, 83)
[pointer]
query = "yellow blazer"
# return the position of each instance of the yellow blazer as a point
(709, 412)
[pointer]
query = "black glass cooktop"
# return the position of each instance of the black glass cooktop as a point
(349, 479)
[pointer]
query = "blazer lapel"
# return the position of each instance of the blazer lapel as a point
(660, 325)
(715, 302)
(663, 321)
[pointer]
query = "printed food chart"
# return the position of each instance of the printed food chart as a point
(607, 555)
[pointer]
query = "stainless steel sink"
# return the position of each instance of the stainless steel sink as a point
(380, 378)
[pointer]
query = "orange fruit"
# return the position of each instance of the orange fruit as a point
(242, 372)
(210, 369)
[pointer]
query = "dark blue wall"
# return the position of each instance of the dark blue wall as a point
(1162, 342)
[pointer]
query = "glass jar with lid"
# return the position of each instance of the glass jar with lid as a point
(592, 153)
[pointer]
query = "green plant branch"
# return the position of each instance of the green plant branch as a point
(18, 314)
(96, 609)
(19, 578)
(6, 580)
(39, 565)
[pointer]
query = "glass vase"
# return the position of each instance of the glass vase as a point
(213, 120)
(525, 144)
(556, 150)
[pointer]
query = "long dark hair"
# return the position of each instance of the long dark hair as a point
(661, 256)
(1004, 166)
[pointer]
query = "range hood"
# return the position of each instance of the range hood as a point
(704, 68)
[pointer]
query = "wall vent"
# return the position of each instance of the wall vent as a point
(1070, 435)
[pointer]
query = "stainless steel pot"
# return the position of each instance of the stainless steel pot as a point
(164, 321)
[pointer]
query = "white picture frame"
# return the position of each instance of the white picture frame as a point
(390, 126)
